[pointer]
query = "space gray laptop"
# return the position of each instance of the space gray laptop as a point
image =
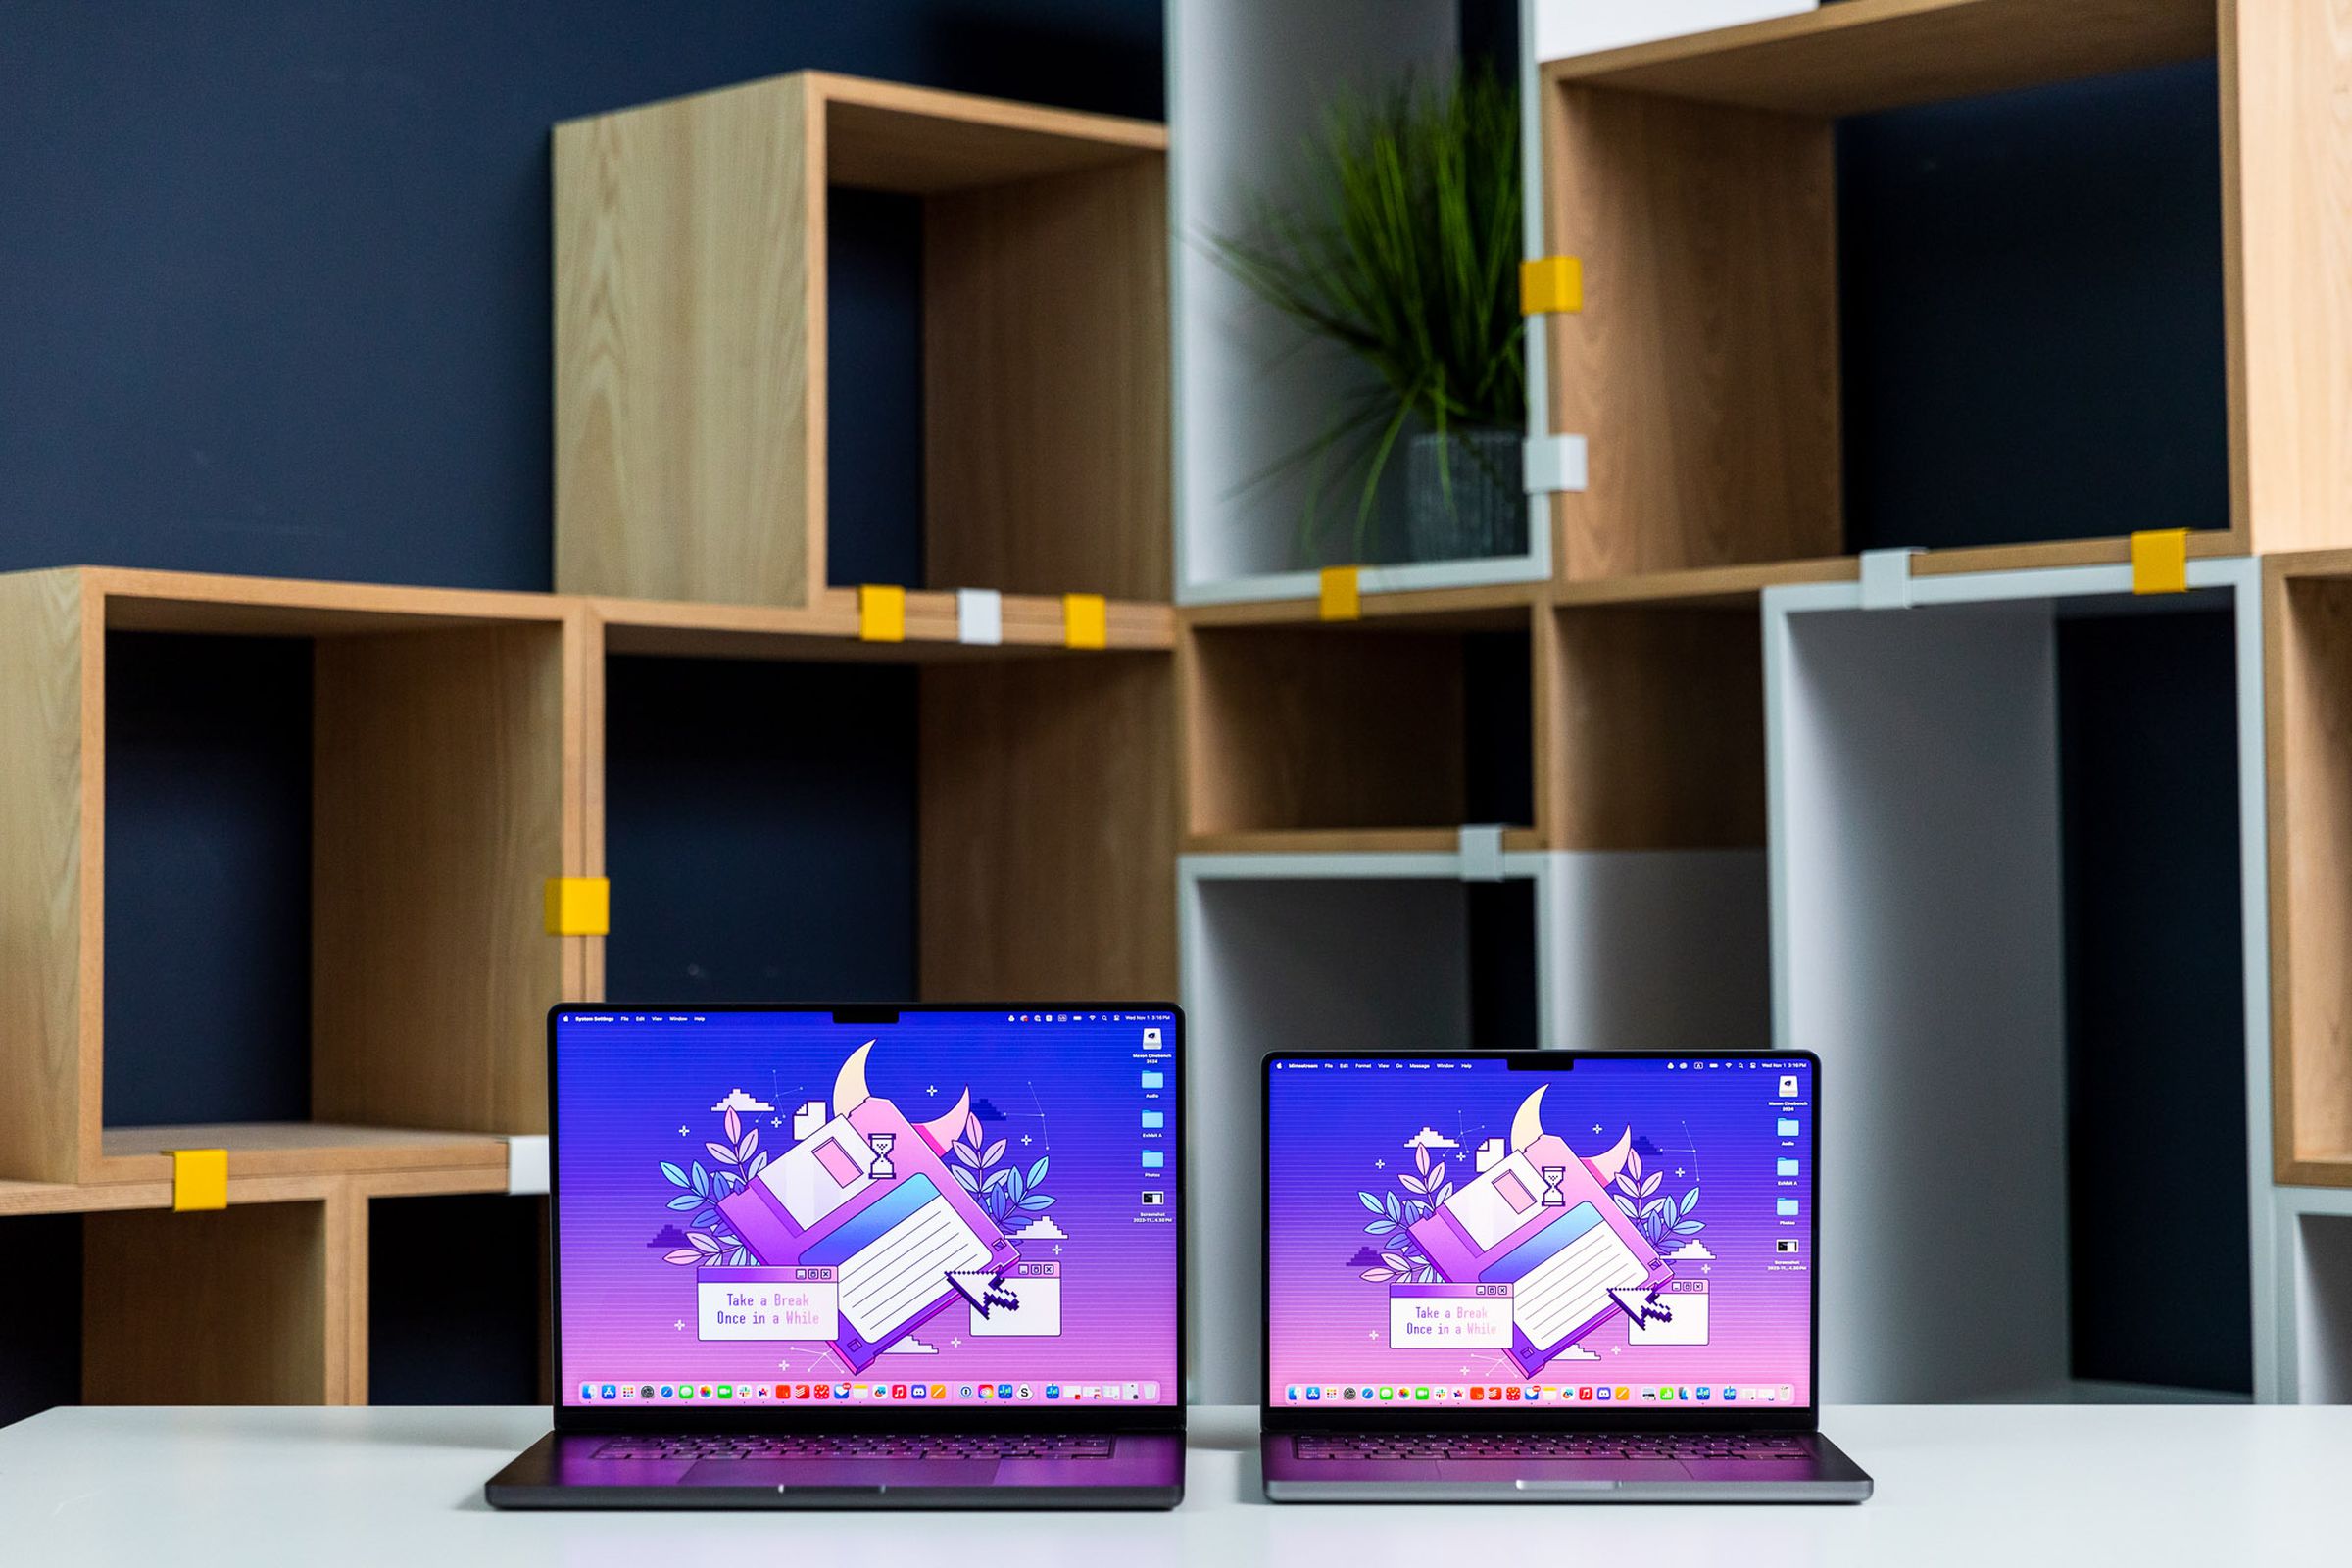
(1543, 1277)
(863, 1257)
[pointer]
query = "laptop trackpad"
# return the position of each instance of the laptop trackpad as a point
(1563, 1475)
(794, 1474)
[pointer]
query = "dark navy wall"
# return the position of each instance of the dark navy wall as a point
(274, 274)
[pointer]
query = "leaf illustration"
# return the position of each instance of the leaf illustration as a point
(1421, 1159)
(1690, 1200)
(1632, 1162)
(751, 1142)
(1035, 1203)
(1437, 1174)
(1394, 1213)
(1688, 1227)
(994, 1153)
(1380, 1227)
(997, 1178)
(1037, 1172)
(1652, 1184)
(702, 1179)
(968, 1182)
(963, 1155)
(740, 1258)
(759, 1163)
(734, 1125)
(1442, 1193)
(721, 1152)
(702, 1242)
(1624, 1185)
(686, 1201)
(971, 1131)
(1378, 1276)
(707, 1218)
(676, 1177)
(1015, 1187)
(1410, 1183)
(1366, 1199)
(1626, 1204)
(684, 1255)
(1395, 1261)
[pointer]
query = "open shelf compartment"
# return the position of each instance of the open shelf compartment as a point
(1383, 734)
(1745, 247)
(1987, 811)
(431, 739)
(692, 374)
(999, 827)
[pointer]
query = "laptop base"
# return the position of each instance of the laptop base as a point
(1144, 1471)
(1822, 1474)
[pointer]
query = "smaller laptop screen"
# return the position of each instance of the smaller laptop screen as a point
(768, 1208)
(1489, 1234)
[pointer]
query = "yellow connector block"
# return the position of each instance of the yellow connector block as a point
(1085, 620)
(199, 1179)
(2160, 561)
(881, 614)
(1342, 593)
(580, 907)
(1551, 284)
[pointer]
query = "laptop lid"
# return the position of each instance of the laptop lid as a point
(1540, 1239)
(815, 1217)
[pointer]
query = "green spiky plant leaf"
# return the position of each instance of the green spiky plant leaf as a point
(1403, 250)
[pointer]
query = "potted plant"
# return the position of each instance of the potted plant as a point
(1402, 245)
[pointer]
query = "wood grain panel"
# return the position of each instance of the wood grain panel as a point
(690, 348)
(2307, 720)
(1656, 734)
(51, 771)
(2286, 76)
(1047, 384)
(439, 779)
(298, 1147)
(1704, 367)
(1856, 55)
(1047, 825)
(883, 136)
(1297, 728)
(231, 1307)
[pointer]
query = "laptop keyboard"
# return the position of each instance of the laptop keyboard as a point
(862, 1446)
(1552, 1446)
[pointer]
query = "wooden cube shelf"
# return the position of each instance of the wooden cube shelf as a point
(1308, 736)
(2308, 733)
(1697, 178)
(691, 360)
(1032, 769)
(446, 784)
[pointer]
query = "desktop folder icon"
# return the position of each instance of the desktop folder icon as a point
(1784, 1167)
(1787, 1127)
(1156, 1118)
(1155, 1080)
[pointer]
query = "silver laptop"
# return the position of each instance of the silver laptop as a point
(1543, 1277)
(863, 1257)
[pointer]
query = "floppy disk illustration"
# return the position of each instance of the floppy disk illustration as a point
(868, 1195)
(1539, 1220)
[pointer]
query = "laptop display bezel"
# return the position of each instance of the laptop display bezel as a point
(1541, 1416)
(860, 1416)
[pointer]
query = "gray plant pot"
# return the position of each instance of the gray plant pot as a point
(1487, 512)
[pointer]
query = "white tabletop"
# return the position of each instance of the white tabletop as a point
(169, 1488)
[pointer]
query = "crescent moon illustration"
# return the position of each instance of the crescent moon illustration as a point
(1528, 1124)
(848, 1088)
(945, 1130)
(1606, 1166)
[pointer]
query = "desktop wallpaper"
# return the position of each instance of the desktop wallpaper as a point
(961, 1207)
(1458, 1230)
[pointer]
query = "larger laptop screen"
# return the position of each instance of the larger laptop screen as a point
(769, 1208)
(1462, 1233)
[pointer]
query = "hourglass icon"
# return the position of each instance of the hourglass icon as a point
(1554, 1197)
(881, 1170)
